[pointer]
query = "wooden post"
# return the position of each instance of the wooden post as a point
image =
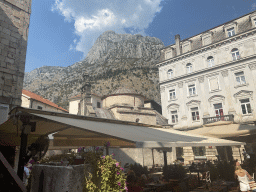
(153, 157)
(22, 155)
(165, 158)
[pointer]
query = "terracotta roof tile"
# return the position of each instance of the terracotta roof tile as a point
(41, 99)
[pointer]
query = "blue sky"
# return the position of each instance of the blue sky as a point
(61, 32)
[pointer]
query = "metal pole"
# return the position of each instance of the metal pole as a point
(23, 147)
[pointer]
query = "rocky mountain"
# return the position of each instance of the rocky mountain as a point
(115, 60)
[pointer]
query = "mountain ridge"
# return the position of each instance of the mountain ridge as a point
(115, 60)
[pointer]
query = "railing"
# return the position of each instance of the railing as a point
(219, 118)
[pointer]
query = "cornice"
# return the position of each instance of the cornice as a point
(207, 47)
(209, 69)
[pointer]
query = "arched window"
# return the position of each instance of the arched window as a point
(189, 67)
(235, 54)
(210, 61)
(170, 73)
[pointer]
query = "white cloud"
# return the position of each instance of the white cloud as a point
(92, 17)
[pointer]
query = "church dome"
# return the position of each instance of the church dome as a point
(123, 90)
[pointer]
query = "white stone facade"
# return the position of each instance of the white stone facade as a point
(216, 73)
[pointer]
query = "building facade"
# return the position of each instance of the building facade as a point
(34, 101)
(14, 24)
(123, 104)
(211, 74)
(211, 77)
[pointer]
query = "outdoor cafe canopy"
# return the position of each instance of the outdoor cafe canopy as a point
(74, 130)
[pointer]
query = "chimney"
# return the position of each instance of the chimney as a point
(177, 44)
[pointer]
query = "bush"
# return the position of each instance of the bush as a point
(107, 176)
(226, 170)
(174, 172)
(139, 169)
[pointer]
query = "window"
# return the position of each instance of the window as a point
(240, 79)
(192, 90)
(39, 107)
(195, 114)
(199, 151)
(231, 32)
(189, 67)
(235, 54)
(174, 116)
(254, 22)
(246, 106)
(172, 94)
(98, 104)
(210, 61)
(218, 109)
(170, 73)
(179, 152)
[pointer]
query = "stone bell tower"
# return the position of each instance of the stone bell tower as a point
(85, 105)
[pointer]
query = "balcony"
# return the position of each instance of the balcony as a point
(208, 120)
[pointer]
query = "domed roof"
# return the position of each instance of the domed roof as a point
(123, 90)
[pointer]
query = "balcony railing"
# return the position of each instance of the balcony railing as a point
(219, 118)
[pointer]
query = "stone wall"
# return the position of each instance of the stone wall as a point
(50, 178)
(14, 24)
(143, 156)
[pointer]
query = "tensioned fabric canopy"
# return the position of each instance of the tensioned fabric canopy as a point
(74, 130)
(225, 129)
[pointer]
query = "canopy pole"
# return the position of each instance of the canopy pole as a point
(153, 157)
(165, 158)
(23, 147)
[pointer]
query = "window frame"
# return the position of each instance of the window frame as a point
(245, 104)
(190, 67)
(195, 92)
(195, 110)
(236, 55)
(198, 149)
(170, 73)
(208, 61)
(240, 78)
(231, 31)
(174, 116)
(172, 91)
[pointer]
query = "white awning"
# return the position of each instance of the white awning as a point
(74, 130)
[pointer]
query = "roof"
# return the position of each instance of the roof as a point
(78, 130)
(41, 99)
(244, 26)
(123, 91)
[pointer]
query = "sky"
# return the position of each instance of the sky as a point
(61, 32)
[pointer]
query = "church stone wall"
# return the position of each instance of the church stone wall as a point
(129, 100)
